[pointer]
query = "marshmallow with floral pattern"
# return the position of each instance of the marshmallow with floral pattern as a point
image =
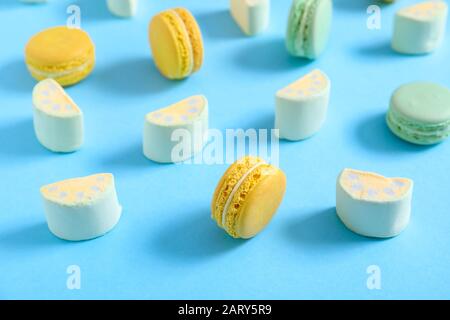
(301, 107)
(177, 132)
(372, 205)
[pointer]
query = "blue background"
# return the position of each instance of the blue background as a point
(166, 245)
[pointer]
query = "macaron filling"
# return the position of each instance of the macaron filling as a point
(302, 14)
(234, 190)
(184, 47)
(195, 36)
(62, 73)
(419, 132)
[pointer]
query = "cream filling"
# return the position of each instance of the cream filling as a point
(60, 73)
(189, 47)
(235, 189)
(301, 39)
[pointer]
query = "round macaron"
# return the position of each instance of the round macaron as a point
(247, 197)
(64, 54)
(308, 27)
(176, 43)
(419, 112)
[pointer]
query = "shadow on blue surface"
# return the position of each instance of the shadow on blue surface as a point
(17, 139)
(219, 25)
(193, 238)
(378, 50)
(261, 120)
(355, 5)
(268, 55)
(130, 157)
(9, 4)
(131, 77)
(16, 78)
(94, 10)
(374, 134)
(30, 237)
(322, 230)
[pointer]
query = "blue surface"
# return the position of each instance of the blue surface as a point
(166, 245)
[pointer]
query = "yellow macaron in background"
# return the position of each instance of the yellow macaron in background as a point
(247, 196)
(64, 54)
(176, 43)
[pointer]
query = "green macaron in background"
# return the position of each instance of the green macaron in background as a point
(308, 27)
(419, 112)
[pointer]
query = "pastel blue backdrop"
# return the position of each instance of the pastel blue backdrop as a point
(166, 246)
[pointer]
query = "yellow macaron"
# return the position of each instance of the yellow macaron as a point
(247, 196)
(64, 54)
(176, 43)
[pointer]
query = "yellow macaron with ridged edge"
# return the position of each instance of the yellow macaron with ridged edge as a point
(64, 54)
(247, 196)
(176, 43)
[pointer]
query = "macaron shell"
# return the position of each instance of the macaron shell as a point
(238, 200)
(308, 27)
(170, 44)
(261, 204)
(61, 53)
(218, 200)
(226, 184)
(64, 75)
(195, 36)
(59, 46)
(296, 16)
(424, 102)
(416, 132)
(319, 29)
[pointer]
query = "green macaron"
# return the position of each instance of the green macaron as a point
(419, 112)
(308, 27)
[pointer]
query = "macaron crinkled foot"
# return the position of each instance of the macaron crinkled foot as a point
(81, 208)
(176, 43)
(57, 120)
(301, 107)
(64, 54)
(308, 27)
(123, 8)
(177, 132)
(420, 29)
(372, 205)
(419, 113)
(252, 16)
(247, 196)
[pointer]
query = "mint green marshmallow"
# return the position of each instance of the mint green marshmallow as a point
(420, 29)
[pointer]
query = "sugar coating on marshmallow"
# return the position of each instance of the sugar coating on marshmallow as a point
(425, 10)
(180, 113)
(373, 187)
(78, 191)
(312, 84)
(50, 97)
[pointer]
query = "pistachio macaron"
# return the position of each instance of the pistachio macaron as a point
(176, 43)
(64, 54)
(247, 196)
(419, 113)
(308, 27)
